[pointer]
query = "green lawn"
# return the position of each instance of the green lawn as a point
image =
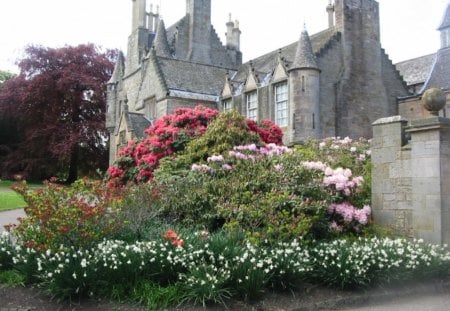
(8, 198)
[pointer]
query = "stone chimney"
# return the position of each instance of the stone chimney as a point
(139, 15)
(199, 12)
(233, 35)
(330, 11)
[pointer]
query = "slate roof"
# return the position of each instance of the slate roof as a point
(138, 123)
(440, 72)
(304, 57)
(192, 77)
(161, 45)
(416, 70)
(446, 20)
(266, 63)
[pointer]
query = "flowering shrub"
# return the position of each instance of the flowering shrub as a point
(173, 133)
(272, 192)
(72, 216)
(168, 135)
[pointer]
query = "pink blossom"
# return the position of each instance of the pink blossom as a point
(314, 165)
(227, 167)
(214, 158)
(362, 215)
(201, 168)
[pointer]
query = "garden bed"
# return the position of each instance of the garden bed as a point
(309, 298)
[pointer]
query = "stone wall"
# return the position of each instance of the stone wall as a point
(411, 177)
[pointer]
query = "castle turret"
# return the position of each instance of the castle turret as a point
(199, 12)
(304, 90)
(438, 77)
(444, 28)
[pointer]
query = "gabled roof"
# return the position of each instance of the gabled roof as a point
(138, 123)
(416, 70)
(192, 77)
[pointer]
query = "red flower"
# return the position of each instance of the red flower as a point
(170, 235)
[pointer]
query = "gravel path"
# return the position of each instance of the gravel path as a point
(9, 217)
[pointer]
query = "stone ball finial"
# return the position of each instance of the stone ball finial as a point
(434, 100)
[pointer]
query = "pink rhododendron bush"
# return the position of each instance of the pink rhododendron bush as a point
(274, 192)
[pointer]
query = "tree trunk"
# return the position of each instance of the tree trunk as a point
(73, 165)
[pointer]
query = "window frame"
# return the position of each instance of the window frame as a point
(281, 121)
(252, 112)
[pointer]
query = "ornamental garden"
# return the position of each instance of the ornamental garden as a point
(210, 206)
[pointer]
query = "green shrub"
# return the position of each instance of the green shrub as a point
(12, 278)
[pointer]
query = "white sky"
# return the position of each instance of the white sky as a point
(408, 27)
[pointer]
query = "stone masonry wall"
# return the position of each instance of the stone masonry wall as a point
(411, 177)
(391, 176)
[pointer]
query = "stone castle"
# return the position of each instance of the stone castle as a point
(333, 83)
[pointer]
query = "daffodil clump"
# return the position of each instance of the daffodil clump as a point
(213, 267)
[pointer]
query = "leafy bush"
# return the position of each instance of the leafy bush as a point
(271, 192)
(172, 133)
(77, 216)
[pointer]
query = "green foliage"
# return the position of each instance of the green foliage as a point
(271, 192)
(140, 205)
(155, 296)
(78, 216)
(226, 131)
(10, 200)
(11, 278)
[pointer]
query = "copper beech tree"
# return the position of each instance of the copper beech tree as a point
(58, 102)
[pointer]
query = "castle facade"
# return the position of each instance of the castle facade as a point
(333, 83)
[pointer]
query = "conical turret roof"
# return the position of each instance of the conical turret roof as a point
(304, 57)
(446, 20)
(160, 44)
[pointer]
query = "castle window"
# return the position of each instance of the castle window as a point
(281, 104)
(303, 83)
(252, 106)
(227, 104)
(150, 108)
(122, 138)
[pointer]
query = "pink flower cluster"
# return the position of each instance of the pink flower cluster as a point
(350, 213)
(240, 155)
(340, 179)
(311, 165)
(215, 158)
(201, 168)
